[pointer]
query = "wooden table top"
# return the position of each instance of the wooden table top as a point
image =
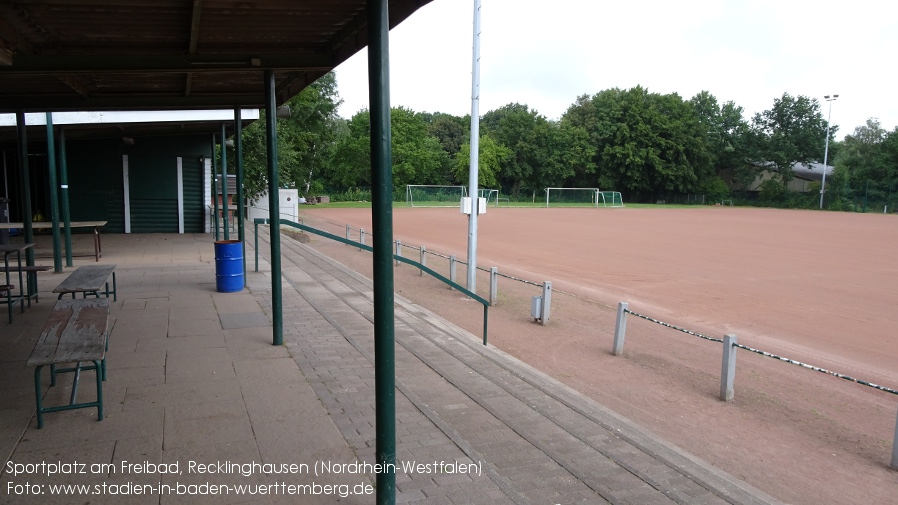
(42, 225)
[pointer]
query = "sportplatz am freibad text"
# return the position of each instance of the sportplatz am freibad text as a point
(317, 468)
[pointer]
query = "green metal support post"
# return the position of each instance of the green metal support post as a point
(54, 198)
(277, 305)
(238, 160)
(26, 191)
(64, 186)
(214, 189)
(224, 183)
(382, 219)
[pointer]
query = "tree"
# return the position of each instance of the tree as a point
(792, 131)
(532, 141)
(644, 143)
(451, 132)
(417, 157)
(491, 157)
(304, 140)
(859, 151)
(728, 137)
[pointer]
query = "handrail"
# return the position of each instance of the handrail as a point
(440, 277)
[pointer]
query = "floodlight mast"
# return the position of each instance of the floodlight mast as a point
(826, 148)
(473, 192)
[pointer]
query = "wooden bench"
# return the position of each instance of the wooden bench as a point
(89, 279)
(76, 331)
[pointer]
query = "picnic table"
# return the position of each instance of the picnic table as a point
(46, 225)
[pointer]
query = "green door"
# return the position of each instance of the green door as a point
(153, 193)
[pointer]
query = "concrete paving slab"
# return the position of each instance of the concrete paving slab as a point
(190, 380)
(245, 320)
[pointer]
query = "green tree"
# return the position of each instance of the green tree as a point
(728, 137)
(491, 157)
(859, 153)
(645, 143)
(451, 132)
(792, 131)
(532, 141)
(304, 140)
(417, 156)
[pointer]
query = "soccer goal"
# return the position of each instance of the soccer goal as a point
(431, 195)
(491, 196)
(611, 199)
(572, 197)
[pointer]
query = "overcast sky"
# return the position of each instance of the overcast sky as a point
(547, 53)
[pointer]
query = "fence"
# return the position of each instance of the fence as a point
(543, 314)
(728, 364)
(397, 257)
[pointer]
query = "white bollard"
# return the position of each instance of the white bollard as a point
(728, 369)
(494, 286)
(452, 262)
(546, 303)
(423, 259)
(894, 463)
(398, 251)
(620, 329)
(348, 231)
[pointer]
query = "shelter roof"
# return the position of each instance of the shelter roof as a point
(71, 55)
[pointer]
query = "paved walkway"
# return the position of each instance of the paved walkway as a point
(194, 380)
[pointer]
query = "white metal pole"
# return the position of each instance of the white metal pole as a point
(475, 148)
(826, 148)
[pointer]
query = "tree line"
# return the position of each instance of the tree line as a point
(646, 145)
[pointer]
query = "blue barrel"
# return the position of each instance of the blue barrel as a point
(228, 266)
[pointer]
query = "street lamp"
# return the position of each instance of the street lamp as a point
(826, 149)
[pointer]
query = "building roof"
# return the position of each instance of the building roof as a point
(71, 55)
(811, 171)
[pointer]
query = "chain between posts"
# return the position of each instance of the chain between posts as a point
(771, 355)
(678, 328)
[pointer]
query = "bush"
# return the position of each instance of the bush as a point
(716, 190)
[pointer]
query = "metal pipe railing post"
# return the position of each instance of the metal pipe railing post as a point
(348, 231)
(620, 329)
(398, 251)
(728, 369)
(361, 237)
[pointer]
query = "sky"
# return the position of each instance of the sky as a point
(545, 54)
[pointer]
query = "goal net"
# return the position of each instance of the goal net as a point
(572, 197)
(429, 195)
(491, 196)
(611, 199)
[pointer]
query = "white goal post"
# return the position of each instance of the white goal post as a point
(572, 197)
(611, 199)
(434, 195)
(491, 196)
